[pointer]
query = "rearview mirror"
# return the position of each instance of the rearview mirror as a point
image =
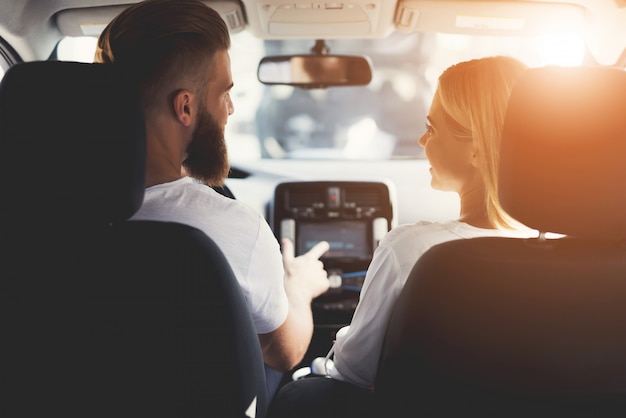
(315, 71)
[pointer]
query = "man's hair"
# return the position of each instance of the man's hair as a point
(474, 95)
(163, 43)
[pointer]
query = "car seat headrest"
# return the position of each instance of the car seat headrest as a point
(563, 153)
(73, 143)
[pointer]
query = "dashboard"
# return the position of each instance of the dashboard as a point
(352, 216)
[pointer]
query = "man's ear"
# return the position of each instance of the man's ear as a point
(183, 110)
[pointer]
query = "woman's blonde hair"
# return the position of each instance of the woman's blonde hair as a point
(474, 95)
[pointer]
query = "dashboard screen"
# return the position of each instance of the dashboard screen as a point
(347, 239)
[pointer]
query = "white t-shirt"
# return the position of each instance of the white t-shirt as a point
(243, 235)
(357, 349)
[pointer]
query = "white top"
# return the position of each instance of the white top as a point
(357, 349)
(243, 235)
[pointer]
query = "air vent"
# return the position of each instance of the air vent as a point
(304, 198)
(363, 198)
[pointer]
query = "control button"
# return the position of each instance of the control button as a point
(335, 280)
(334, 197)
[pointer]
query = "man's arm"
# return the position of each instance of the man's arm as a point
(305, 279)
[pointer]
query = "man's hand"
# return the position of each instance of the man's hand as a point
(305, 273)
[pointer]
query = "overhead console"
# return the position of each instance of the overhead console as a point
(320, 19)
(352, 216)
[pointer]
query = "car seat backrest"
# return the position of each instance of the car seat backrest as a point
(528, 327)
(101, 316)
(69, 143)
(562, 159)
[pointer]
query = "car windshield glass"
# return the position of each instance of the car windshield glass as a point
(382, 120)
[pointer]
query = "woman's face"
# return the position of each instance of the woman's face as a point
(451, 157)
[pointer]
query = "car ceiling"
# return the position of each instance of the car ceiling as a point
(33, 27)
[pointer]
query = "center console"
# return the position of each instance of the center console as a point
(352, 216)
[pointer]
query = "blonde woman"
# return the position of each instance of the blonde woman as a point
(461, 142)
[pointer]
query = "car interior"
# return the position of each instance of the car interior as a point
(330, 99)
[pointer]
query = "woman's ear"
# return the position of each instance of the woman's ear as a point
(182, 103)
(474, 160)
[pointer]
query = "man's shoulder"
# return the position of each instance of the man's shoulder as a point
(205, 196)
(189, 199)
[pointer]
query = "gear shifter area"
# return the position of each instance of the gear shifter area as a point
(320, 366)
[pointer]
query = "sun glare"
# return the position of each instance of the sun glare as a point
(563, 49)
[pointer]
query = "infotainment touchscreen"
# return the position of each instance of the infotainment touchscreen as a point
(347, 239)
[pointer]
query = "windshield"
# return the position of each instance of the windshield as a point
(382, 120)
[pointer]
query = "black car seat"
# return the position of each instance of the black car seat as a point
(505, 327)
(100, 316)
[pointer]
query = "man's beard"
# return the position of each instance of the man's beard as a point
(207, 156)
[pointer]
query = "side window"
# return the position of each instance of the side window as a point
(76, 48)
(8, 57)
(69, 49)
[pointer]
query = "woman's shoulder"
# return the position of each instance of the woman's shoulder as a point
(420, 228)
(423, 234)
(417, 235)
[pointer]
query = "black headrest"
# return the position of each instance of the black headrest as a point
(72, 143)
(563, 155)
